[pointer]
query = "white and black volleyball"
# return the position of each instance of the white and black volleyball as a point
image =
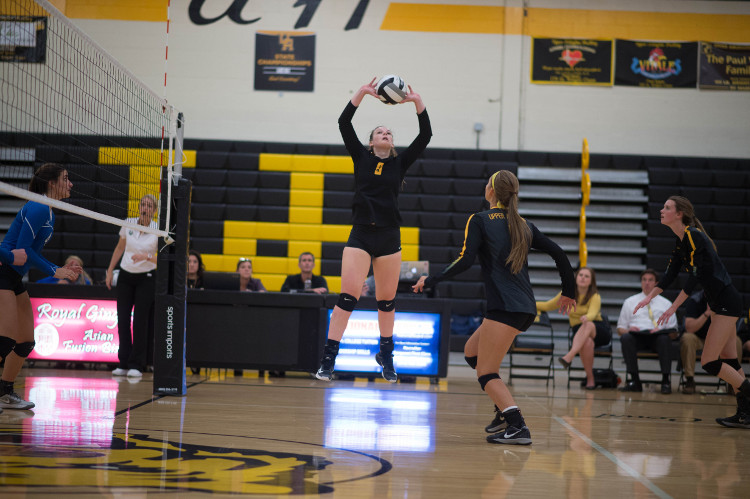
(391, 89)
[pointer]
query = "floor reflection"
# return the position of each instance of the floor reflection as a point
(380, 420)
(70, 411)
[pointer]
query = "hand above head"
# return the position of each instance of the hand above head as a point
(412, 96)
(567, 305)
(19, 256)
(419, 286)
(369, 88)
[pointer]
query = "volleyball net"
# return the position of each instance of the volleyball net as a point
(65, 100)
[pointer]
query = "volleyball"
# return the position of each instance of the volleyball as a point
(391, 89)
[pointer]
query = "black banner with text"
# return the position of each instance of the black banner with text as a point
(724, 66)
(23, 39)
(284, 61)
(656, 64)
(571, 61)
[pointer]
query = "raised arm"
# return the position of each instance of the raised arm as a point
(419, 144)
(472, 240)
(351, 142)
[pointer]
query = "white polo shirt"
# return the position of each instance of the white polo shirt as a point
(138, 242)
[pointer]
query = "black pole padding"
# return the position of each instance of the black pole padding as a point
(171, 292)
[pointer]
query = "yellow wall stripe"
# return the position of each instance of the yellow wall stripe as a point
(121, 10)
(140, 156)
(443, 18)
(568, 23)
(305, 163)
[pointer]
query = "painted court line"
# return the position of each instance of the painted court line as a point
(630, 471)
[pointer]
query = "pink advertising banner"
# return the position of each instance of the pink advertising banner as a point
(75, 329)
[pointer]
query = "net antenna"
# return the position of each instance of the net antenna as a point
(65, 100)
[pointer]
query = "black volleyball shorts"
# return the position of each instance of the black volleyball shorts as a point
(377, 241)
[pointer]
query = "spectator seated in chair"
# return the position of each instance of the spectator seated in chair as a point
(305, 281)
(639, 331)
(697, 321)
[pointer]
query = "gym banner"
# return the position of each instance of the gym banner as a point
(724, 66)
(23, 39)
(571, 61)
(656, 64)
(284, 61)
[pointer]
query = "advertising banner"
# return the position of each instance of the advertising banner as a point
(724, 66)
(416, 337)
(656, 64)
(284, 61)
(562, 61)
(75, 329)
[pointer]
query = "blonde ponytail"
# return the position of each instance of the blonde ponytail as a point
(505, 185)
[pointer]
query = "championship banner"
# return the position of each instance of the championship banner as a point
(284, 61)
(571, 62)
(23, 39)
(724, 66)
(656, 64)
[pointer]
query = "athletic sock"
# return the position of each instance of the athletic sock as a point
(745, 388)
(386, 345)
(6, 387)
(332, 347)
(514, 417)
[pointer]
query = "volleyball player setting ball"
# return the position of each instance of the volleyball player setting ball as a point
(375, 237)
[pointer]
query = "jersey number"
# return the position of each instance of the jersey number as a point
(379, 169)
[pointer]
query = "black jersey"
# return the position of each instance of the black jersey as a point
(696, 255)
(487, 235)
(378, 180)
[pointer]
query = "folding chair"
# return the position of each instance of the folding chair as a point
(529, 344)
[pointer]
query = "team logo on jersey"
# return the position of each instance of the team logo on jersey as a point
(379, 168)
(139, 462)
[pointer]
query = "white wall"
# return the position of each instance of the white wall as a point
(463, 78)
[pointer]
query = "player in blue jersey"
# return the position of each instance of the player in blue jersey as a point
(695, 253)
(29, 232)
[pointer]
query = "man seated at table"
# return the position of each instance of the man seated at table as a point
(305, 281)
(639, 331)
(697, 320)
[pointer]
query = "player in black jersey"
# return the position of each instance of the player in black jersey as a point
(501, 239)
(696, 253)
(375, 237)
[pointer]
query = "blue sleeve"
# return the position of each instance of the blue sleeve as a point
(6, 257)
(34, 218)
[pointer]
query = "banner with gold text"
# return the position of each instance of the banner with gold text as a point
(571, 61)
(656, 64)
(724, 66)
(284, 61)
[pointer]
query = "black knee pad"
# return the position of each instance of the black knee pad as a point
(346, 302)
(472, 361)
(486, 378)
(24, 349)
(6, 346)
(387, 305)
(733, 363)
(712, 367)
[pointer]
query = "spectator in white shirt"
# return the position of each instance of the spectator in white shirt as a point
(639, 331)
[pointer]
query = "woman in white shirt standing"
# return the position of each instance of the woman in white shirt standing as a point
(136, 253)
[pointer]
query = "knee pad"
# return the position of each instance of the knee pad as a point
(712, 367)
(346, 302)
(733, 363)
(472, 361)
(486, 378)
(24, 349)
(6, 346)
(387, 305)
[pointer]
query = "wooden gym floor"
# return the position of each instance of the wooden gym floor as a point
(94, 436)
